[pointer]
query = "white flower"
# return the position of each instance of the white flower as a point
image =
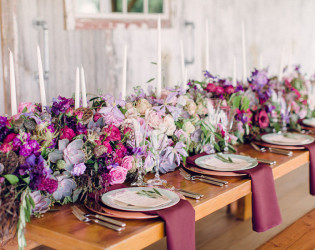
(152, 118)
(168, 125)
(132, 113)
(188, 127)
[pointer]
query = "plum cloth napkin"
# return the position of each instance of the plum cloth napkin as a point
(311, 149)
(265, 207)
(179, 224)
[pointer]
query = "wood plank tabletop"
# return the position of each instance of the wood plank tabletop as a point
(62, 230)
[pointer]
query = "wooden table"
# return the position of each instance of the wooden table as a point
(62, 230)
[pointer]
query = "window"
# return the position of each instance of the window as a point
(102, 14)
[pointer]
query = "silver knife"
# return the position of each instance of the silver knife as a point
(270, 162)
(213, 179)
(189, 195)
(280, 151)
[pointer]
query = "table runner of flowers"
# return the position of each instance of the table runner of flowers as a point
(63, 154)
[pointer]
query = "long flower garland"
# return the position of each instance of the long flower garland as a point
(64, 154)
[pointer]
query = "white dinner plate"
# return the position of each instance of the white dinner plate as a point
(240, 162)
(287, 139)
(109, 201)
(309, 122)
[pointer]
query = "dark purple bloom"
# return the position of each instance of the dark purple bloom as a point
(36, 168)
(61, 104)
(3, 121)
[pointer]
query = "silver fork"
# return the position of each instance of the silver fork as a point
(100, 217)
(271, 150)
(189, 177)
(206, 177)
(104, 224)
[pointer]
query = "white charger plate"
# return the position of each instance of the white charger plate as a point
(253, 162)
(304, 139)
(108, 201)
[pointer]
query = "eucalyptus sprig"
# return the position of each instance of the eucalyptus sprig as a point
(151, 194)
(222, 158)
(27, 204)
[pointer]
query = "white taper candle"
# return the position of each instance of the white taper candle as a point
(41, 79)
(185, 79)
(124, 75)
(159, 59)
(182, 60)
(207, 49)
(83, 88)
(244, 54)
(12, 85)
(77, 89)
(234, 72)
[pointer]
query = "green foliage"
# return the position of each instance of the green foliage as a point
(27, 204)
(13, 179)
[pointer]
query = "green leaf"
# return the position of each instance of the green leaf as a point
(245, 104)
(24, 110)
(26, 180)
(150, 80)
(236, 102)
(13, 179)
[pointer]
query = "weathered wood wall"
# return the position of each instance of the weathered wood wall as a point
(269, 26)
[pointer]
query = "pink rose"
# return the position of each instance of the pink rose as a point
(9, 137)
(128, 130)
(69, 112)
(117, 175)
(96, 117)
(5, 147)
(229, 89)
(152, 118)
(79, 114)
(67, 133)
(26, 107)
(120, 150)
(112, 133)
(263, 119)
(127, 162)
(108, 146)
(219, 90)
(211, 87)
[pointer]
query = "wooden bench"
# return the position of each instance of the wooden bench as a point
(300, 235)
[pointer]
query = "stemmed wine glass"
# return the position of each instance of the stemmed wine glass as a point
(158, 144)
(226, 118)
(213, 115)
(140, 141)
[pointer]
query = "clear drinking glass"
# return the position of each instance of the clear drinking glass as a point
(226, 117)
(140, 174)
(158, 144)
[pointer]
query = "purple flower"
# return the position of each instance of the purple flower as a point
(26, 150)
(41, 203)
(61, 104)
(3, 121)
(259, 77)
(36, 168)
(78, 169)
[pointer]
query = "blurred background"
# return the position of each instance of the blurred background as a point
(93, 33)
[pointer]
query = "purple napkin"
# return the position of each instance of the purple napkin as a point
(265, 207)
(179, 224)
(311, 148)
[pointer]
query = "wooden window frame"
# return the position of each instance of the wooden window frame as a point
(80, 21)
